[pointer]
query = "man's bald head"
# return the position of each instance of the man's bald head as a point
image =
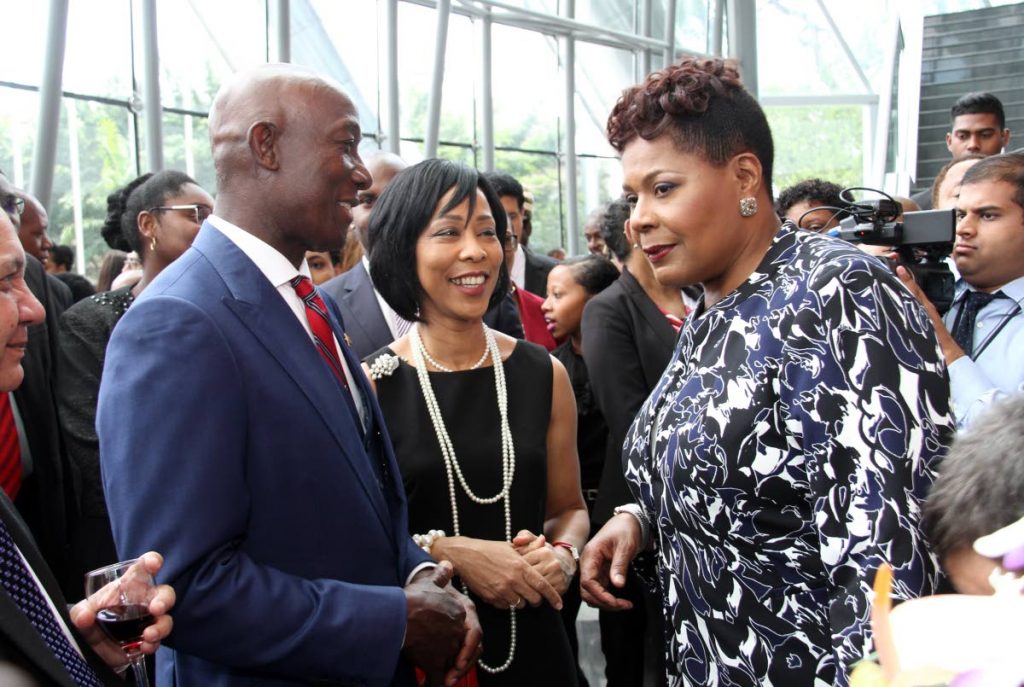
(33, 229)
(383, 167)
(273, 93)
(285, 146)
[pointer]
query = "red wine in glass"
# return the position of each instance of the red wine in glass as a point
(122, 593)
(125, 623)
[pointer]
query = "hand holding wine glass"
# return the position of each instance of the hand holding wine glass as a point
(122, 600)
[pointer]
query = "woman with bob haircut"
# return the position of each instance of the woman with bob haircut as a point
(784, 455)
(483, 425)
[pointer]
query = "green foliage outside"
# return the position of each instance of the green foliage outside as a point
(822, 142)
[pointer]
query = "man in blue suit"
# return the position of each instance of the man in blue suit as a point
(230, 398)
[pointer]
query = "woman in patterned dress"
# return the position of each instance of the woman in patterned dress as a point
(784, 454)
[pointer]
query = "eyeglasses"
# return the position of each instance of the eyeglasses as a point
(12, 204)
(199, 212)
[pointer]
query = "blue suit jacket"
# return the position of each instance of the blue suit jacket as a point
(226, 445)
(357, 300)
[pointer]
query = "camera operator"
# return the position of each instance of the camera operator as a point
(982, 335)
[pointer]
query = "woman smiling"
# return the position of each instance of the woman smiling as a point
(484, 426)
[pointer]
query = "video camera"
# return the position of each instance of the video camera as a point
(922, 240)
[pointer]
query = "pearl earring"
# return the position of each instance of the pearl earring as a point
(748, 206)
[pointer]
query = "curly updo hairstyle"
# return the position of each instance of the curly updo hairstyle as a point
(121, 227)
(703, 105)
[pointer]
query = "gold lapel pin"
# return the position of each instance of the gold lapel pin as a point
(348, 341)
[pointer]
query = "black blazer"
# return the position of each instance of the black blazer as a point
(627, 343)
(537, 268)
(46, 499)
(364, 322)
(20, 643)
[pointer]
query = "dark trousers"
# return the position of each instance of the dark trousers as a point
(633, 641)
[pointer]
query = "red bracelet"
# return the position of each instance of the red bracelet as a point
(568, 547)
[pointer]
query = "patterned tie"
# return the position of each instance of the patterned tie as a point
(10, 448)
(323, 335)
(19, 585)
(963, 332)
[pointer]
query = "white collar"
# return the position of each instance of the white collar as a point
(274, 266)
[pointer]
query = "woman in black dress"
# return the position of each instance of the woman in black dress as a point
(484, 426)
(158, 216)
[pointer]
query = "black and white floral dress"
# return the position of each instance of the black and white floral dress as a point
(782, 458)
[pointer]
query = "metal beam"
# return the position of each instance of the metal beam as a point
(717, 26)
(845, 46)
(743, 40)
(569, 68)
(152, 106)
(283, 29)
(669, 56)
(444, 10)
(44, 154)
(810, 100)
(645, 30)
(554, 25)
(486, 95)
(393, 141)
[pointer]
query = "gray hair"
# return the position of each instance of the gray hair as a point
(980, 487)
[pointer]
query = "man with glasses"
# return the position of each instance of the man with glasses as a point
(45, 487)
(527, 269)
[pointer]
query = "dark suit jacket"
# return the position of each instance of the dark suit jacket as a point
(364, 321)
(20, 643)
(227, 445)
(627, 343)
(47, 495)
(537, 268)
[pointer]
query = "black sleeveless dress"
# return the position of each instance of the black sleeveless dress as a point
(469, 406)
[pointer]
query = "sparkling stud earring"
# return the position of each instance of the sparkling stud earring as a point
(748, 206)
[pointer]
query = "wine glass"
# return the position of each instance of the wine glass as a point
(122, 593)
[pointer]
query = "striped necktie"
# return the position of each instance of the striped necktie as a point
(323, 335)
(10, 448)
(17, 581)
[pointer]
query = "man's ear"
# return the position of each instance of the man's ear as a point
(949, 141)
(748, 173)
(1006, 138)
(263, 138)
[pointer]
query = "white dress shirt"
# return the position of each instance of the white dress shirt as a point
(279, 271)
(397, 324)
(519, 267)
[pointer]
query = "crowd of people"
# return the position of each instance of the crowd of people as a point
(363, 434)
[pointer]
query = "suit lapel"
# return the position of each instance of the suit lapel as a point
(260, 308)
(19, 630)
(649, 310)
(361, 301)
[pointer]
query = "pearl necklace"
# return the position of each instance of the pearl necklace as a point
(451, 464)
(442, 368)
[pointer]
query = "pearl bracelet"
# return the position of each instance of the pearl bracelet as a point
(425, 541)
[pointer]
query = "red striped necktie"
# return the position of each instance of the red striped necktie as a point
(10, 448)
(323, 335)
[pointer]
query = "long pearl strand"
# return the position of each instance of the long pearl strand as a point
(451, 464)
